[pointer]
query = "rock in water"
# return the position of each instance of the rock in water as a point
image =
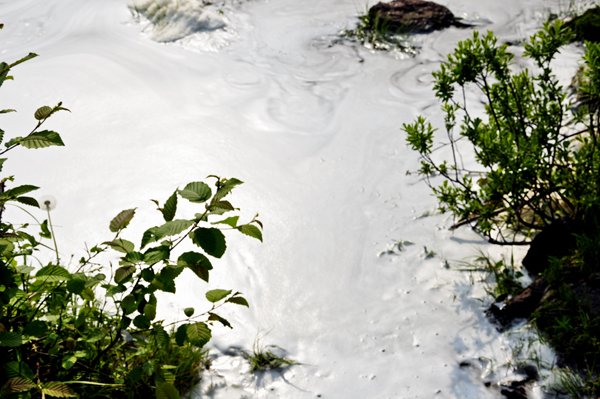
(411, 16)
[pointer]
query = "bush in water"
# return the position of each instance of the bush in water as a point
(537, 158)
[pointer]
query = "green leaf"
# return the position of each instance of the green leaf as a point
(42, 113)
(251, 230)
(19, 369)
(52, 273)
(226, 188)
(157, 254)
(24, 269)
(17, 384)
(198, 334)
(68, 361)
(216, 317)
(2, 160)
(232, 221)
(121, 220)
(6, 111)
(57, 389)
(120, 245)
(150, 311)
(171, 228)
(197, 263)
(239, 301)
(216, 295)
(45, 232)
(165, 280)
(42, 139)
(88, 294)
(148, 367)
(166, 390)
(189, 312)
(36, 328)
(196, 192)
(162, 337)
(17, 191)
(149, 236)
(77, 283)
(141, 322)
(181, 335)
(170, 208)
(28, 201)
(123, 272)
(128, 304)
(210, 240)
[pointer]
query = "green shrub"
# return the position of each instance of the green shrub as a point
(537, 158)
(74, 331)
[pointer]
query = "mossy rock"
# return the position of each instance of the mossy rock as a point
(587, 25)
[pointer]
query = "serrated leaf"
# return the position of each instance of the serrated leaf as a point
(172, 228)
(198, 334)
(17, 191)
(189, 312)
(197, 263)
(149, 237)
(212, 241)
(226, 188)
(2, 160)
(120, 245)
(197, 192)
(162, 337)
(28, 201)
(123, 272)
(251, 230)
(17, 384)
(53, 273)
(42, 112)
(121, 220)
(166, 390)
(225, 205)
(216, 295)
(18, 369)
(216, 317)
(68, 361)
(157, 254)
(239, 301)
(232, 221)
(42, 139)
(141, 322)
(170, 208)
(57, 389)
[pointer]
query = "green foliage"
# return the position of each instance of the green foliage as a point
(537, 159)
(68, 331)
(263, 359)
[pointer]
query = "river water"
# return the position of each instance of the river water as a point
(266, 92)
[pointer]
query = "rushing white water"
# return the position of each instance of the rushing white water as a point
(259, 90)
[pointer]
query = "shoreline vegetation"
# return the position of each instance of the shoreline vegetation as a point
(536, 181)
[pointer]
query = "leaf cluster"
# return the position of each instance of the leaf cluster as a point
(90, 330)
(537, 157)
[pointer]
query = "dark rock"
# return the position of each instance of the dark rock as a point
(412, 16)
(556, 240)
(587, 25)
(520, 306)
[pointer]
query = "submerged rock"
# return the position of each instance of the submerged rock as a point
(412, 16)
